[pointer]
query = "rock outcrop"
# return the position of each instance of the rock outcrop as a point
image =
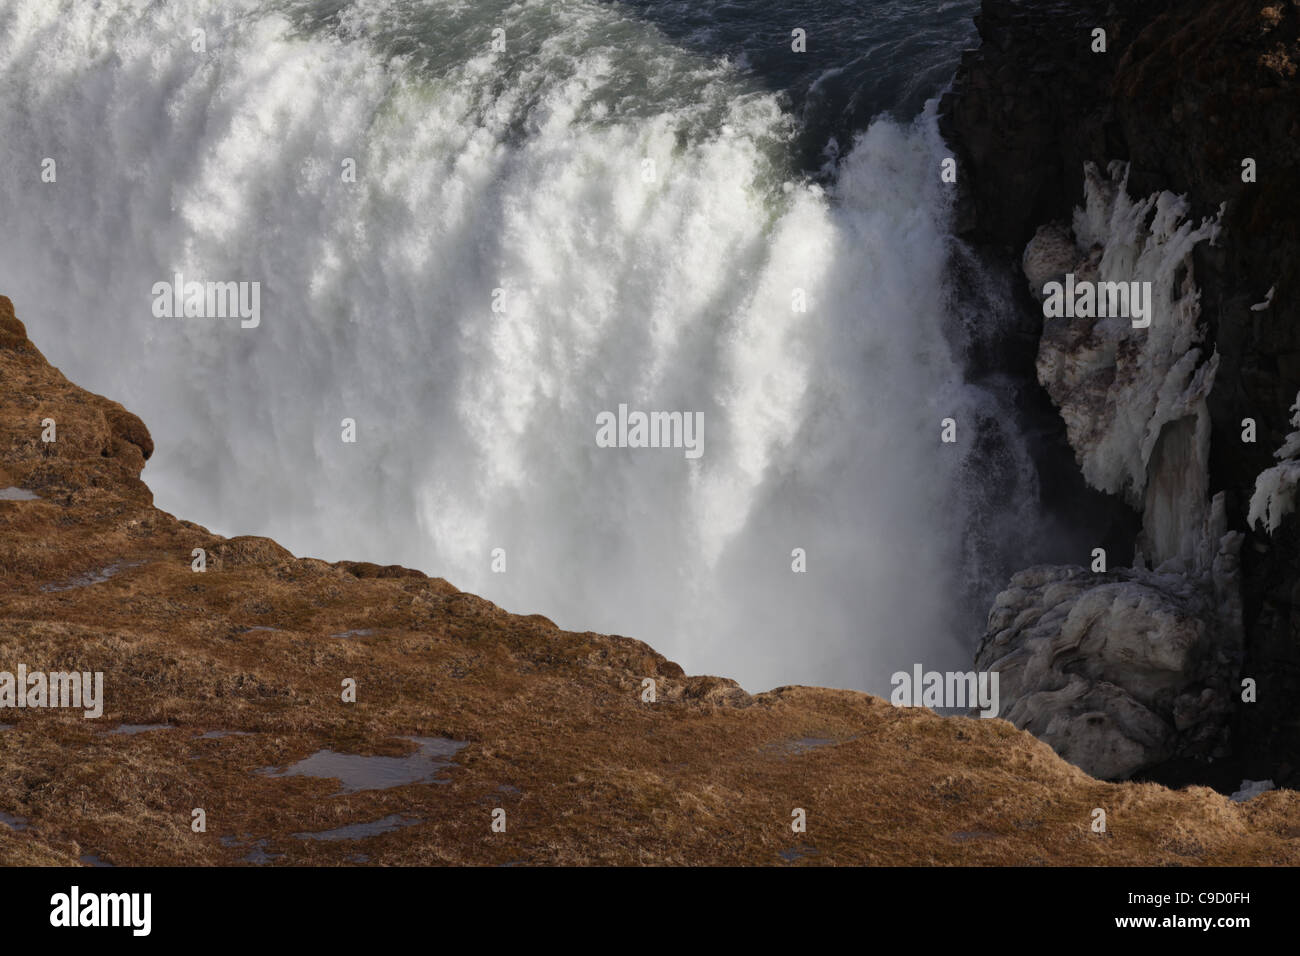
(1118, 671)
(218, 682)
(1194, 109)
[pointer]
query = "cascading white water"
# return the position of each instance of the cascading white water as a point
(521, 171)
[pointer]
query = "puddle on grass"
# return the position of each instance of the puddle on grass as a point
(257, 627)
(6, 727)
(364, 632)
(356, 772)
(92, 577)
(805, 744)
(797, 853)
(91, 860)
(257, 849)
(17, 494)
(258, 855)
(801, 745)
(138, 728)
(13, 822)
(965, 836)
(218, 734)
(357, 858)
(362, 831)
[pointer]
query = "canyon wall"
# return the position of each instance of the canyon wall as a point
(1169, 156)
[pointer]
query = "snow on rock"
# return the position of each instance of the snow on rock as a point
(1268, 300)
(1251, 789)
(1122, 670)
(1117, 671)
(1274, 496)
(1133, 399)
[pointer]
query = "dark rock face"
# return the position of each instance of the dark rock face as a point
(1026, 107)
(1187, 90)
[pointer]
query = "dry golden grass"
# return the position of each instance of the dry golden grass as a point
(557, 734)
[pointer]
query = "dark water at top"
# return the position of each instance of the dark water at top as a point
(862, 58)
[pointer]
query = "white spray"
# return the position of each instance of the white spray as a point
(624, 205)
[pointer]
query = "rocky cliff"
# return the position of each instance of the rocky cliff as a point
(1165, 152)
(225, 690)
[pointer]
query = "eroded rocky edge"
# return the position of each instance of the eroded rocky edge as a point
(93, 577)
(1137, 671)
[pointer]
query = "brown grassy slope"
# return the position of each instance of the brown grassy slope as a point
(558, 735)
